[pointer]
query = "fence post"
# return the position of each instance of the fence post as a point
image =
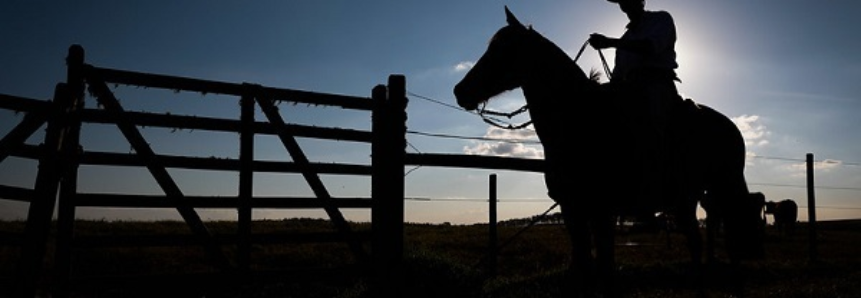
(387, 185)
(811, 208)
(398, 111)
(492, 231)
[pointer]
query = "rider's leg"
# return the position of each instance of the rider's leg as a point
(660, 96)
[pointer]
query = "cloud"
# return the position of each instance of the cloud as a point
(754, 133)
(464, 66)
(517, 143)
(517, 135)
(505, 149)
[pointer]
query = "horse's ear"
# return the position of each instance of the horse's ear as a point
(509, 17)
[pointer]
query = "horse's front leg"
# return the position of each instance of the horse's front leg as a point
(580, 277)
(604, 228)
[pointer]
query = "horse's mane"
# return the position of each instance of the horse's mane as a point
(593, 75)
(548, 53)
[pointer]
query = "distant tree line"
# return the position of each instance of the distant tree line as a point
(552, 218)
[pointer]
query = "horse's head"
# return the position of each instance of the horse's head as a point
(499, 69)
(770, 207)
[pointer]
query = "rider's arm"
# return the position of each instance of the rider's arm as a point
(659, 35)
(634, 45)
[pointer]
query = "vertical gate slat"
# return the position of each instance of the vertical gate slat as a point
(246, 178)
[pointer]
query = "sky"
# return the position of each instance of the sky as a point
(785, 71)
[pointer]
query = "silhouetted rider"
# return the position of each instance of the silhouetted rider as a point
(645, 63)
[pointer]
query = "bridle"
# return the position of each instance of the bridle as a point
(484, 112)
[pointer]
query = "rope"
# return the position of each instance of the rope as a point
(534, 221)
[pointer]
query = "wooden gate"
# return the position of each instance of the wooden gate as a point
(60, 156)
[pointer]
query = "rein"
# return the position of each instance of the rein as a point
(484, 112)
(600, 54)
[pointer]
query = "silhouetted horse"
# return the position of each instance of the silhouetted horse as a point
(785, 215)
(590, 140)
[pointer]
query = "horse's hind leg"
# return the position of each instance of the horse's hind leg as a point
(694, 240)
(713, 223)
(689, 226)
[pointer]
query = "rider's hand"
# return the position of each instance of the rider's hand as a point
(599, 41)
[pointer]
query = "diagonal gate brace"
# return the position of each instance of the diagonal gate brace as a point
(159, 172)
(18, 135)
(301, 161)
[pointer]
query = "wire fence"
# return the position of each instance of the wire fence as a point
(832, 162)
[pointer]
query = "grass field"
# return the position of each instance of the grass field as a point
(449, 261)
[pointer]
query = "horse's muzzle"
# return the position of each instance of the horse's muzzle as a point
(464, 99)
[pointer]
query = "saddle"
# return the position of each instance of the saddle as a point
(680, 116)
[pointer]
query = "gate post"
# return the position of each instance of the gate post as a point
(70, 154)
(387, 185)
(51, 169)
